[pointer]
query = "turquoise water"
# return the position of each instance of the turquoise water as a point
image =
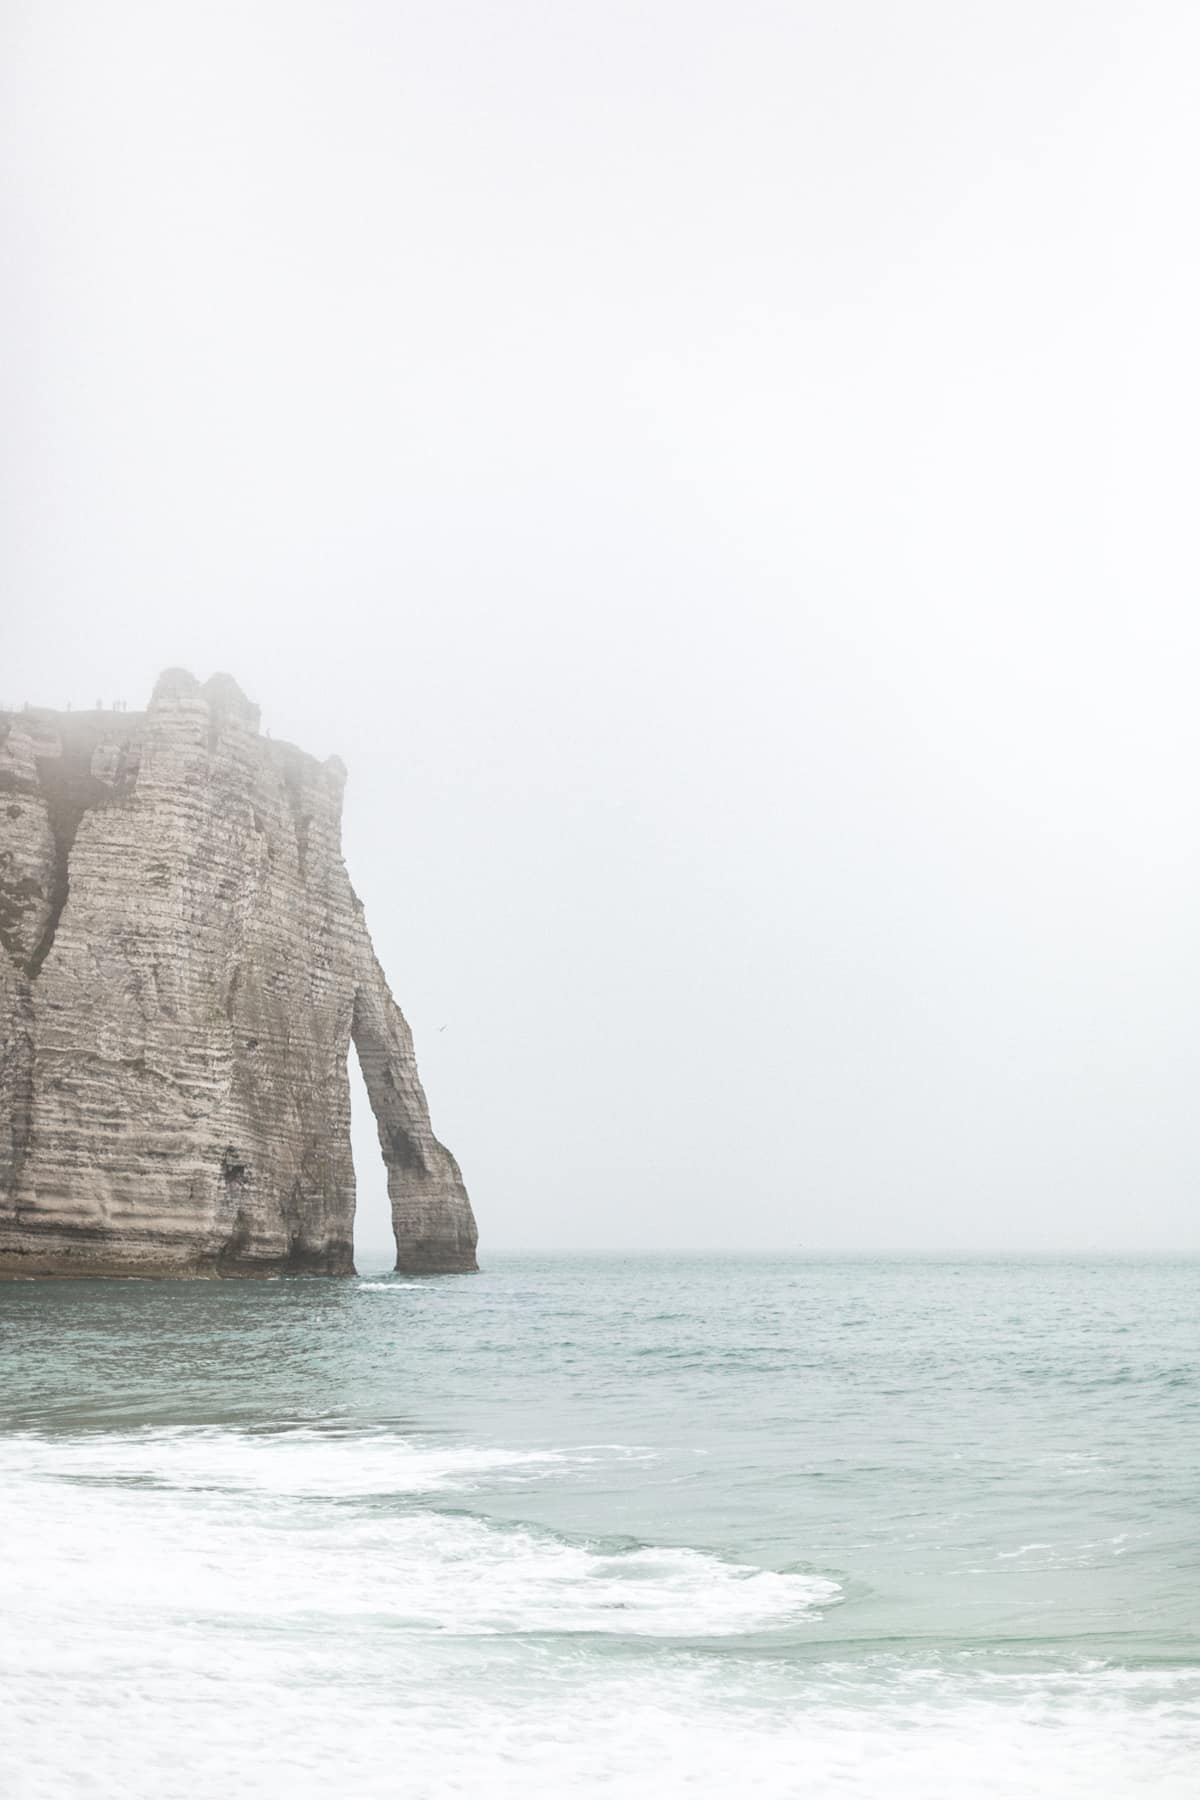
(631, 1526)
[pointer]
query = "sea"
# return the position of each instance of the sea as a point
(645, 1526)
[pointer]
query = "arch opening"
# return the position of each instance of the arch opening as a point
(374, 1244)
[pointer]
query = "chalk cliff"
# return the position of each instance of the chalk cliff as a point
(183, 964)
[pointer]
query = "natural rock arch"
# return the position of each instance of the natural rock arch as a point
(183, 962)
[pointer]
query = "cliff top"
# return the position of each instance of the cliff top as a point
(85, 727)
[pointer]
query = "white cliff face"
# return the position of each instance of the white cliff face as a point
(183, 962)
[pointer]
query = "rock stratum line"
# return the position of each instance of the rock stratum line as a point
(183, 965)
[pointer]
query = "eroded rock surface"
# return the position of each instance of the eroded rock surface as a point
(183, 964)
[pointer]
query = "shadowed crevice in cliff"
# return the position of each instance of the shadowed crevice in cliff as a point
(69, 788)
(292, 774)
(19, 1085)
(66, 756)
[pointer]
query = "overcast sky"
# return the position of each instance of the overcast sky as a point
(724, 476)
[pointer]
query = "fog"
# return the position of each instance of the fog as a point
(723, 476)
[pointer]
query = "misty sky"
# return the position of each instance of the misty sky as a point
(724, 477)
